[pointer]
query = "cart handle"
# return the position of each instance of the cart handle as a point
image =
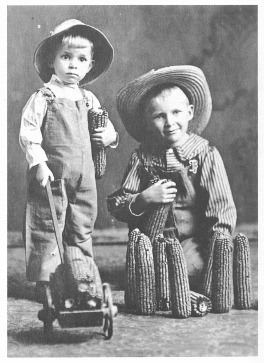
(55, 220)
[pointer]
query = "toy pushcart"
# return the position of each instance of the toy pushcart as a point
(73, 318)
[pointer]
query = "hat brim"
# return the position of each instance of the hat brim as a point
(103, 53)
(189, 78)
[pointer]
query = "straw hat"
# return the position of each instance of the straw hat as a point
(188, 78)
(103, 50)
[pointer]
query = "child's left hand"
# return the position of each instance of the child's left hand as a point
(104, 136)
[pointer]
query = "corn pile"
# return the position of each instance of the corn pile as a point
(222, 275)
(84, 286)
(161, 273)
(178, 278)
(140, 294)
(156, 219)
(98, 118)
(160, 282)
(242, 273)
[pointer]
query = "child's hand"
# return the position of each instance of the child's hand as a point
(160, 192)
(43, 174)
(104, 136)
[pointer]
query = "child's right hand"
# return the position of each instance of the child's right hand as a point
(43, 174)
(160, 192)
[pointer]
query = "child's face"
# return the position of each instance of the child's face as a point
(72, 64)
(167, 117)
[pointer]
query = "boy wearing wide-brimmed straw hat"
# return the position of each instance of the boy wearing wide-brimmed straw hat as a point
(55, 137)
(165, 110)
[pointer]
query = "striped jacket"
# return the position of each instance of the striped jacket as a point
(219, 208)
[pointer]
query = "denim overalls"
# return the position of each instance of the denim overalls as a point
(66, 141)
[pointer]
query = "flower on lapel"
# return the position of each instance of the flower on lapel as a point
(193, 166)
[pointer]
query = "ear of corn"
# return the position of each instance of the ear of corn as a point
(95, 289)
(140, 294)
(161, 273)
(98, 118)
(242, 273)
(207, 281)
(131, 287)
(178, 278)
(145, 276)
(156, 218)
(222, 275)
(201, 304)
(83, 278)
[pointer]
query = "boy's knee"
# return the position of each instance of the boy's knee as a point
(193, 255)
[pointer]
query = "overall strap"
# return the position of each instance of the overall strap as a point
(50, 98)
(84, 96)
(48, 94)
(145, 157)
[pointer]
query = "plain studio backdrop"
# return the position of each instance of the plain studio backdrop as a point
(222, 40)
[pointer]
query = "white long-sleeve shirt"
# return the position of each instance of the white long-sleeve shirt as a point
(30, 137)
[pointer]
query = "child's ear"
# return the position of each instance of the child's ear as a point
(51, 64)
(92, 63)
(191, 112)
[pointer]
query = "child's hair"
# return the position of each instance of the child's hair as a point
(71, 40)
(156, 91)
(77, 41)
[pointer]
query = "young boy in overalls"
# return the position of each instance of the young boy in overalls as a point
(55, 137)
(165, 110)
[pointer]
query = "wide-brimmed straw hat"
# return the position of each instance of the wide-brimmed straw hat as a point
(189, 78)
(103, 50)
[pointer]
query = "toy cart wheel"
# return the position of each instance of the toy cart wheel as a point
(108, 304)
(47, 316)
(48, 332)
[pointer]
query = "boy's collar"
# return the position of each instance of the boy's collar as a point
(188, 150)
(57, 81)
(192, 147)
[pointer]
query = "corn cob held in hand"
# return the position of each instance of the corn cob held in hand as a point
(131, 287)
(98, 118)
(161, 273)
(156, 218)
(178, 277)
(242, 273)
(222, 275)
(145, 276)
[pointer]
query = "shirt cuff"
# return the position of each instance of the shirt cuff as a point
(115, 143)
(130, 204)
(35, 155)
(222, 230)
(36, 162)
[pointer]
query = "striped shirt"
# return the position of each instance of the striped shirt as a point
(220, 210)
